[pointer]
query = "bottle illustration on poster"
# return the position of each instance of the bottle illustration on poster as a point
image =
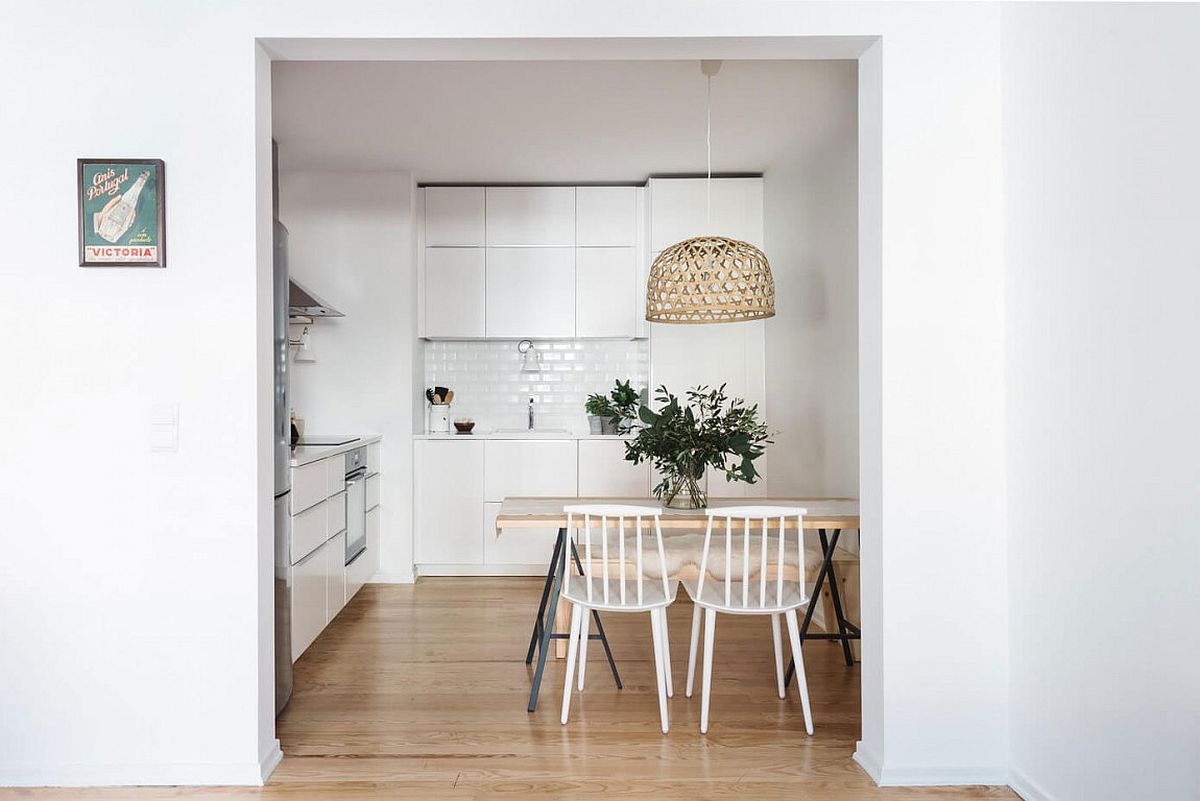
(121, 213)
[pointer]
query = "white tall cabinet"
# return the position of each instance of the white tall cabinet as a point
(683, 356)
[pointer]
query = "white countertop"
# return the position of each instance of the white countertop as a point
(521, 435)
(306, 454)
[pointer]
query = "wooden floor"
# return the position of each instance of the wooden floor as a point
(419, 692)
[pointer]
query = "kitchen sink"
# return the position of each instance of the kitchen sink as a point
(537, 432)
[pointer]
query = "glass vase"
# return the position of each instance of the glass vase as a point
(686, 489)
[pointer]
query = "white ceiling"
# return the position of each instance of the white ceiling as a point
(545, 121)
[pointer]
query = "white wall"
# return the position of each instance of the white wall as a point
(1102, 173)
(132, 602)
(351, 241)
(810, 217)
(159, 560)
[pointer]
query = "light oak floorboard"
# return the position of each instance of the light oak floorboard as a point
(419, 692)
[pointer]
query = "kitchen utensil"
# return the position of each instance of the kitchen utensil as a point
(429, 395)
(449, 397)
(437, 399)
(441, 391)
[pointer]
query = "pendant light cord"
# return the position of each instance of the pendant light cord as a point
(708, 149)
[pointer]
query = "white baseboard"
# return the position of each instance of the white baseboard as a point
(1025, 787)
(270, 761)
(927, 776)
(867, 761)
(481, 570)
(243, 774)
(392, 578)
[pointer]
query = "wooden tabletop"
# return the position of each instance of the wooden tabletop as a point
(544, 513)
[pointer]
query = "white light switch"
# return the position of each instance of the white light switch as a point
(164, 427)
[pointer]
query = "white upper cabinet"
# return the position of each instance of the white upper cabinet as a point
(606, 292)
(606, 216)
(454, 216)
(454, 292)
(530, 216)
(530, 292)
(679, 210)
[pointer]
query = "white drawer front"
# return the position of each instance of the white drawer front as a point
(372, 491)
(309, 531)
(529, 467)
(336, 514)
(366, 565)
(516, 546)
(308, 601)
(309, 485)
(335, 474)
(335, 576)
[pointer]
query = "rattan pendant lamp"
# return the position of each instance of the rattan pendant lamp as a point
(710, 279)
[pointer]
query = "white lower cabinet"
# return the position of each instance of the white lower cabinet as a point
(308, 600)
(309, 530)
(449, 492)
(335, 576)
(514, 467)
(516, 546)
(460, 486)
(322, 583)
(367, 563)
(604, 472)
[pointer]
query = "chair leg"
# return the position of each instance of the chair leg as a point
(691, 677)
(801, 678)
(656, 632)
(572, 649)
(584, 623)
(666, 652)
(778, 655)
(710, 625)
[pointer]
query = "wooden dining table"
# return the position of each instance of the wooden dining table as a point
(827, 517)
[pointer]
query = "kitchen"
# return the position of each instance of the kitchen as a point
(1011, 248)
(504, 269)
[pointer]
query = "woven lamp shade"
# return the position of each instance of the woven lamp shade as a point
(710, 279)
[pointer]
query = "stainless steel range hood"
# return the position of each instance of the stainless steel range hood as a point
(303, 303)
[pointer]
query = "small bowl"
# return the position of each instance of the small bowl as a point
(464, 426)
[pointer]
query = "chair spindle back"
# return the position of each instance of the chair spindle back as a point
(582, 517)
(784, 519)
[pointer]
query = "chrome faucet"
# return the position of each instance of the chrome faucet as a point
(531, 414)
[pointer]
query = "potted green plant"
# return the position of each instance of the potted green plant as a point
(598, 409)
(614, 414)
(681, 440)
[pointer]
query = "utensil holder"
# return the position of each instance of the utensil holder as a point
(439, 419)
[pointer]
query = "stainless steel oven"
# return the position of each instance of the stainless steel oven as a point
(356, 503)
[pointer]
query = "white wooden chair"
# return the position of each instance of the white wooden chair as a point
(629, 585)
(733, 578)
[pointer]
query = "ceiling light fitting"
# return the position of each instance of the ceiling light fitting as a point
(710, 279)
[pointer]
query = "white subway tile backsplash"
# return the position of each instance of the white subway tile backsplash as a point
(490, 388)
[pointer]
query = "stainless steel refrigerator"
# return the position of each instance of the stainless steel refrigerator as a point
(282, 434)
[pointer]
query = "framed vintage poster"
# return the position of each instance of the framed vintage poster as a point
(122, 213)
